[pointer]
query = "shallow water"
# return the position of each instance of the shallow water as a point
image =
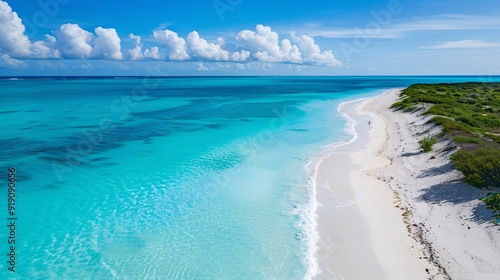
(170, 178)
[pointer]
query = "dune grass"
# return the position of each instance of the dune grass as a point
(427, 143)
(469, 114)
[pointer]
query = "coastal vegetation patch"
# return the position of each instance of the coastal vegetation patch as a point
(469, 115)
(427, 143)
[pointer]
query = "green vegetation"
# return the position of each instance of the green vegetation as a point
(469, 114)
(493, 203)
(426, 143)
(450, 125)
(472, 108)
(466, 139)
(480, 167)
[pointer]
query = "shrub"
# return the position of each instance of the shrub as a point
(481, 168)
(468, 113)
(451, 125)
(493, 203)
(427, 142)
(403, 105)
(470, 120)
(466, 139)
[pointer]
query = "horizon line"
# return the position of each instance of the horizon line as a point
(232, 76)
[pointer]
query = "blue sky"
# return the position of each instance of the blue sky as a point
(243, 37)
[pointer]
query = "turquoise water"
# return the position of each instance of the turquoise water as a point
(170, 178)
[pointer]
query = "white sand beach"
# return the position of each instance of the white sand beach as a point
(388, 211)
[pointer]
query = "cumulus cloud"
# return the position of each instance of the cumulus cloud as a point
(73, 41)
(152, 53)
(70, 41)
(266, 47)
(12, 39)
(6, 60)
(176, 45)
(240, 56)
(199, 47)
(136, 40)
(16, 44)
(311, 52)
(136, 52)
(45, 49)
(106, 44)
(290, 52)
(263, 43)
(194, 47)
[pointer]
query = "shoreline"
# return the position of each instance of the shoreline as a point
(312, 168)
(388, 211)
(352, 243)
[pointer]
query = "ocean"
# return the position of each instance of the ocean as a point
(169, 178)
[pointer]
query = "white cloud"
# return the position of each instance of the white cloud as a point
(263, 43)
(13, 41)
(374, 28)
(463, 44)
(152, 53)
(195, 47)
(73, 41)
(312, 54)
(448, 22)
(136, 40)
(136, 52)
(257, 66)
(313, 24)
(201, 67)
(6, 60)
(265, 46)
(240, 56)
(175, 44)
(221, 41)
(50, 65)
(106, 44)
(199, 47)
(290, 52)
(45, 49)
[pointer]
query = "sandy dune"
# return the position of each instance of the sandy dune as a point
(389, 211)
